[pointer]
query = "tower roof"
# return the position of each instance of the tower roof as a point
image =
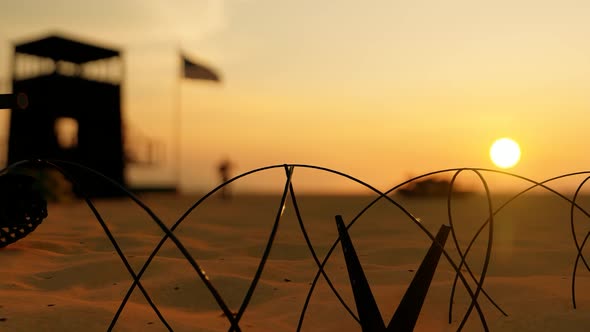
(60, 48)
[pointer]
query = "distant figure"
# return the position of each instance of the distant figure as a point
(224, 171)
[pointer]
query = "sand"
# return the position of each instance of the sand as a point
(66, 276)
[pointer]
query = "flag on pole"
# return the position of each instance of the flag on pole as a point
(196, 71)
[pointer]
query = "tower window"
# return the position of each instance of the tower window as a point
(66, 131)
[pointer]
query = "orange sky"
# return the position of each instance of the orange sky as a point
(379, 89)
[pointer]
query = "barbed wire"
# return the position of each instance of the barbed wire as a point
(289, 192)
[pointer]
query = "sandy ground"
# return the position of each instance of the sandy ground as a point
(66, 276)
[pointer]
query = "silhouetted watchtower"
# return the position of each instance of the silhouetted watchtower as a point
(73, 107)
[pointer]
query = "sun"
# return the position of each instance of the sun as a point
(505, 153)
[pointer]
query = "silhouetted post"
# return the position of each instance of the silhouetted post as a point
(369, 314)
(405, 317)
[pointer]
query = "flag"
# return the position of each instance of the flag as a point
(196, 71)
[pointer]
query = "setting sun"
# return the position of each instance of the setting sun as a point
(505, 153)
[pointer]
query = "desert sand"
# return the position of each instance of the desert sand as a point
(66, 275)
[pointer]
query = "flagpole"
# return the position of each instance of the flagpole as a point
(187, 69)
(178, 120)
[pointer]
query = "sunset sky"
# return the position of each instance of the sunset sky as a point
(377, 89)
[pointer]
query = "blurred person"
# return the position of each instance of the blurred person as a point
(224, 168)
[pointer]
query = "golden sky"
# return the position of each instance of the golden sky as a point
(377, 89)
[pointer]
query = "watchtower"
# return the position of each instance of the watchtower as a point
(73, 111)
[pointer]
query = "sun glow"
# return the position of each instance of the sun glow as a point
(505, 153)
